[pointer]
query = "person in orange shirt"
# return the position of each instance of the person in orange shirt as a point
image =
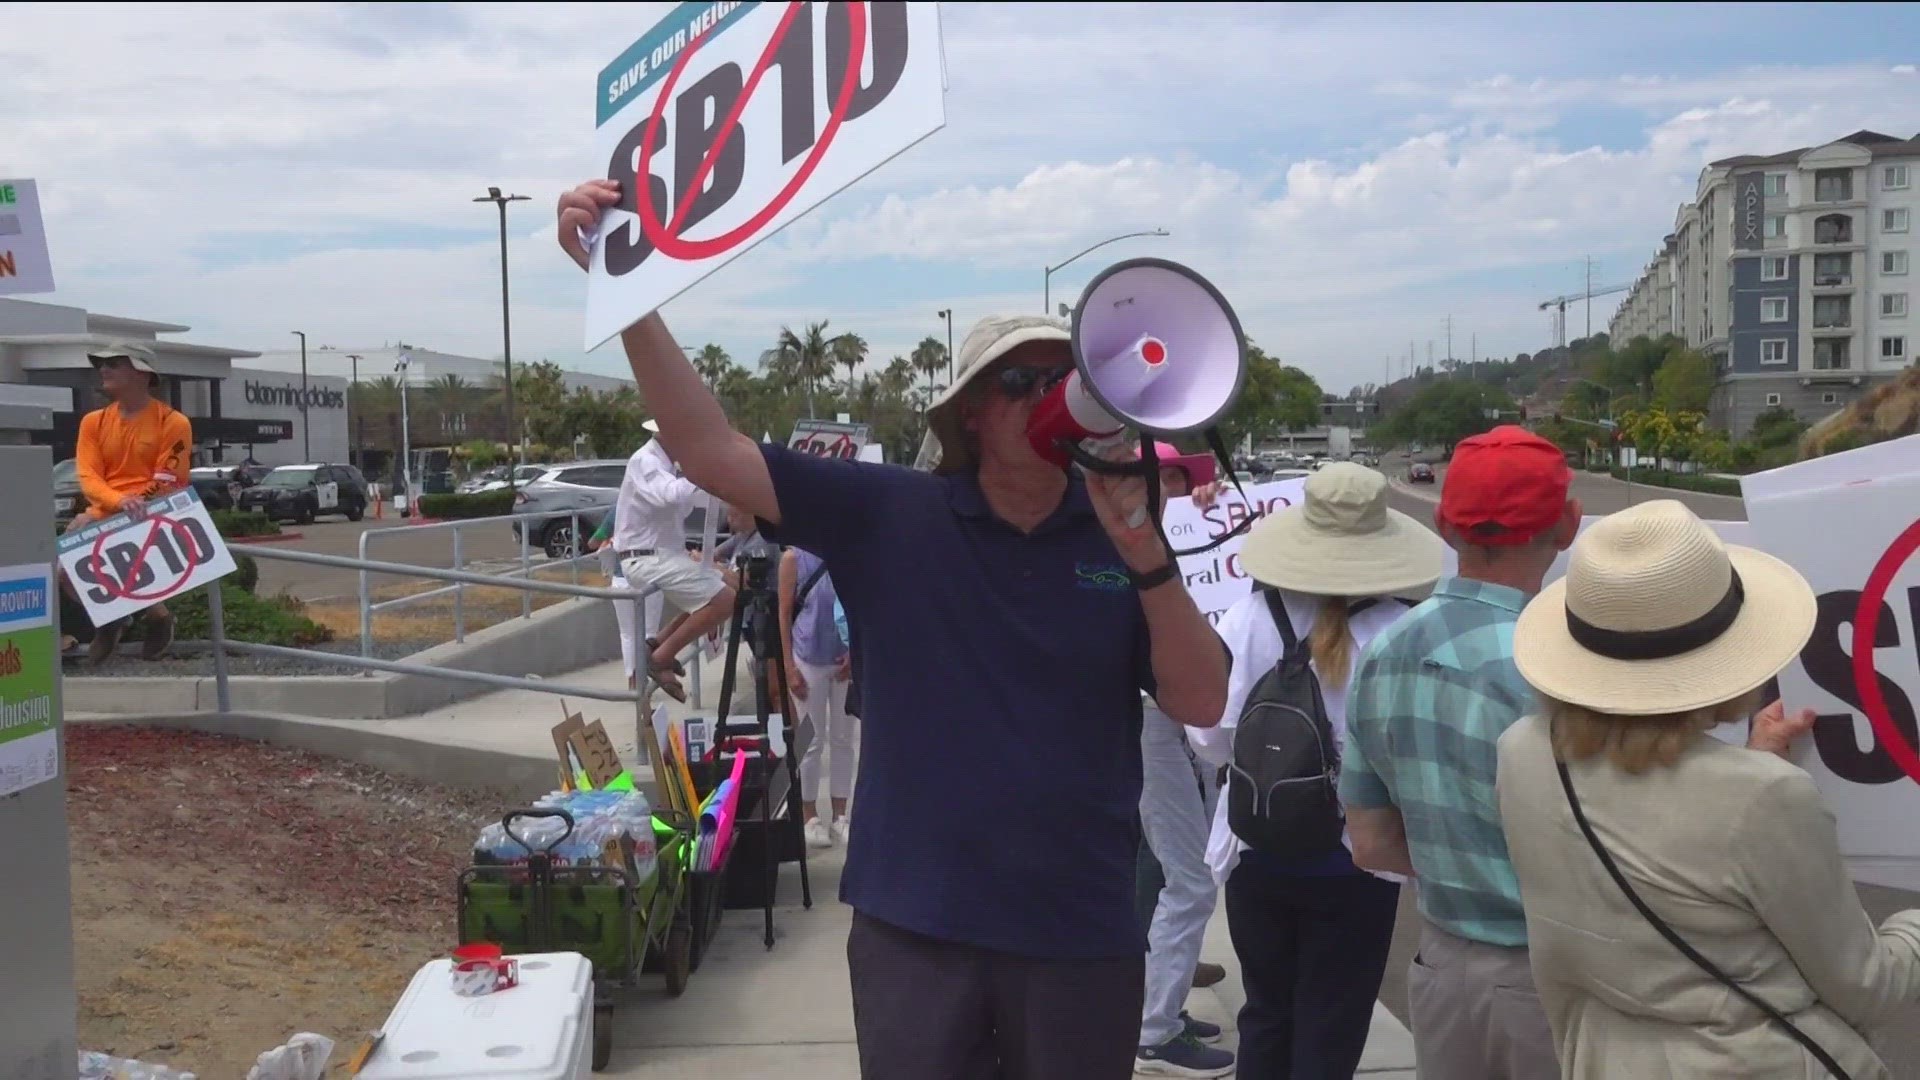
(137, 448)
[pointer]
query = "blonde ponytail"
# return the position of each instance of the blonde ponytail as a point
(1331, 642)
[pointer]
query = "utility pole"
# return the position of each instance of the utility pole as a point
(354, 453)
(306, 435)
(406, 442)
(1473, 365)
(1589, 291)
(1449, 322)
(1429, 352)
(506, 321)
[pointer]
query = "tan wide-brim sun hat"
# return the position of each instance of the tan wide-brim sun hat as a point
(989, 340)
(650, 426)
(1343, 540)
(1657, 615)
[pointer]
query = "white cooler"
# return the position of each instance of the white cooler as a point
(541, 1029)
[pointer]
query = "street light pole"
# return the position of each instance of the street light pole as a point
(1046, 301)
(354, 455)
(506, 320)
(947, 314)
(306, 428)
(406, 442)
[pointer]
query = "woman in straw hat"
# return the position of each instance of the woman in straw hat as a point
(1313, 930)
(1638, 839)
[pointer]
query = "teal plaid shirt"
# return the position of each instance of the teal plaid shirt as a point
(1429, 700)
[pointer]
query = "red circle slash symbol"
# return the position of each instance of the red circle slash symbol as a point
(182, 542)
(1866, 627)
(666, 239)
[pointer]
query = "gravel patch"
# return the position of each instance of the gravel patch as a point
(191, 659)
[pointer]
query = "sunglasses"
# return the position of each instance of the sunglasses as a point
(1019, 382)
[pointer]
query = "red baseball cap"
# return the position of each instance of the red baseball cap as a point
(1508, 477)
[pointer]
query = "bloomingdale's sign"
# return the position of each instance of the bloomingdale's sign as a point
(288, 394)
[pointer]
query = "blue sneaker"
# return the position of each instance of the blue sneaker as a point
(1200, 1029)
(1182, 1055)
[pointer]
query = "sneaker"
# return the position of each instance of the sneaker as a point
(1205, 974)
(106, 639)
(840, 830)
(817, 834)
(1182, 1055)
(1200, 1029)
(158, 638)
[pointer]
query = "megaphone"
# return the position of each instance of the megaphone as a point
(1156, 348)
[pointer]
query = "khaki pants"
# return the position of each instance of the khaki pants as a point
(1475, 1013)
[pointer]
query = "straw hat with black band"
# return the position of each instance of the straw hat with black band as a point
(1657, 615)
(1343, 540)
(946, 446)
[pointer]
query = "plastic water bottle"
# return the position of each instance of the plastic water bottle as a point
(97, 1066)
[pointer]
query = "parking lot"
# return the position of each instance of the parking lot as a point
(483, 547)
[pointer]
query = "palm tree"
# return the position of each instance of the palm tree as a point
(806, 358)
(930, 358)
(447, 397)
(849, 351)
(712, 363)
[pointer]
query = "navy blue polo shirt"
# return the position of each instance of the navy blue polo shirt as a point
(1000, 676)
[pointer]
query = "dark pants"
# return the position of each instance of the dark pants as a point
(931, 1010)
(1312, 952)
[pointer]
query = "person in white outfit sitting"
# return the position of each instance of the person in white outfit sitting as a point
(1311, 930)
(819, 670)
(650, 545)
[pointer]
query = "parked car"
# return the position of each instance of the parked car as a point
(303, 492)
(495, 479)
(218, 490)
(591, 488)
(1420, 473)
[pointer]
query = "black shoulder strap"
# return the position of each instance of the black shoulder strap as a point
(806, 586)
(1673, 938)
(1279, 609)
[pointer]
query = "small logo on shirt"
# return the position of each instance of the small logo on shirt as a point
(1102, 576)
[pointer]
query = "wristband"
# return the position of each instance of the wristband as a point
(1153, 579)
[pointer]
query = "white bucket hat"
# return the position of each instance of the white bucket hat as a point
(650, 426)
(1656, 615)
(990, 339)
(1343, 540)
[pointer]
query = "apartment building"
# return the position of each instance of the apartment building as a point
(1793, 271)
(1648, 309)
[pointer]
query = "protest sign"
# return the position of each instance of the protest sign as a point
(696, 115)
(1855, 542)
(25, 264)
(1214, 578)
(829, 438)
(29, 744)
(120, 566)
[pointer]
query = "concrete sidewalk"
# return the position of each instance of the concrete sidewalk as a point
(788, 1012)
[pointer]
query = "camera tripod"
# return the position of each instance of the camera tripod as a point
(757, 597)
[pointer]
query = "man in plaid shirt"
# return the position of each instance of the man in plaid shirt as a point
(1431, 696)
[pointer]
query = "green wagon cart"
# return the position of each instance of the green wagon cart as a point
(625, 925)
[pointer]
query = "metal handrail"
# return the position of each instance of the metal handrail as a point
(639, 695)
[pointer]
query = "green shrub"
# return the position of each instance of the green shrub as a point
(232, 523)
(484, 504)
(277, 620)
(1707, 485)
(246, 572)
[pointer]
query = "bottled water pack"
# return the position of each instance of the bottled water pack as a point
(97, 1066)
(598, 817)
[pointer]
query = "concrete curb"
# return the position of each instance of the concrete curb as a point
(556, 640)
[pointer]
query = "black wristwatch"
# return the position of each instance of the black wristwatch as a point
(1153, 579)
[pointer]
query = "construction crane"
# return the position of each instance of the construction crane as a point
(1559, 305)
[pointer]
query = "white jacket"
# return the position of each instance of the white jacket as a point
(1255, 642)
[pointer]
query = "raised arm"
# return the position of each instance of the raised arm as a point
(693, 427)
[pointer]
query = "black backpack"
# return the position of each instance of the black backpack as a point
(1282, 783)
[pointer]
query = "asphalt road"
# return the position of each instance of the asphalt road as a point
(1899, 1040)
(482, 547)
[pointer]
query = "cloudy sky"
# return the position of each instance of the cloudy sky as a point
(1349, 176)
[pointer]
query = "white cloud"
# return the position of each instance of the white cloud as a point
(253, 170)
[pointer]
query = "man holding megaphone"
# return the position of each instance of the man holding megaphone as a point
(1005, 615)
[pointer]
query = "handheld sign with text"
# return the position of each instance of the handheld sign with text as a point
(25, 265)
(829, 438)
(120, 566)
(1858, 544)
(729, 120)
(1214, 578)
